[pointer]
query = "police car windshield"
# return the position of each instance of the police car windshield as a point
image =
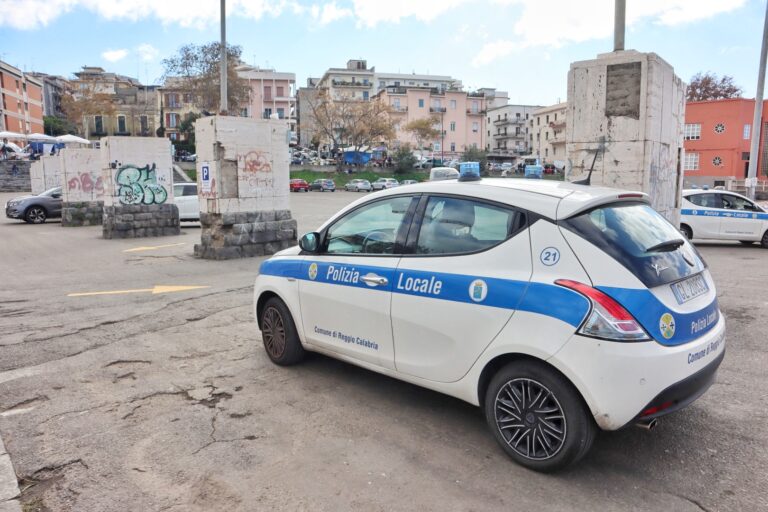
(636, 236)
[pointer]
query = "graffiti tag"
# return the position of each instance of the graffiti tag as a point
(85, 183)
(138, 185)
(256, 170)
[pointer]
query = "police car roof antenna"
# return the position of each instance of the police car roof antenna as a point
(588, 180)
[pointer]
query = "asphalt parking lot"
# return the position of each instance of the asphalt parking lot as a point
(166, 401)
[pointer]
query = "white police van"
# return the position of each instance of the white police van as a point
(557, 308)
(723, 215)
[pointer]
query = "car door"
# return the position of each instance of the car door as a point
(181, 200)
(741, 219)
(55, 204)
(469, 268)
(705, 215)
(345, 302)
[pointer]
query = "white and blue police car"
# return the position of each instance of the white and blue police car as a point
(560, 309)
(723, 215)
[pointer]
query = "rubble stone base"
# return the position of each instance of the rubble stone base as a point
(137, 221)
(245, 234)
(87, 213)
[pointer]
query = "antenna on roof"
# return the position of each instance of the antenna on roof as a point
(588, 179)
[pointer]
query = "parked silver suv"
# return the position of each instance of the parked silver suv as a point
(35, 209)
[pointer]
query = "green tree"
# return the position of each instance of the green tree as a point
(476, 155)
(423, 130)
(708, 86)
(404, 159)
(57, 126)
(187, 127)
(195, 71)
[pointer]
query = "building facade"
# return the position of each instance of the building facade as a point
(509, 131)
(175, 105)
(547, 134)
(270, 92)
(717, 136)
(21, 101)
(54, 87)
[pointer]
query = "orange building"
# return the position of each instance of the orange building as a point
(717, 138)
(21, 101)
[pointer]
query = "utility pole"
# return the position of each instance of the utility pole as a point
(754, 147)
(619, 15)
(223, 65)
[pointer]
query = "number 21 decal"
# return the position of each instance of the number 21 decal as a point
(550, 256)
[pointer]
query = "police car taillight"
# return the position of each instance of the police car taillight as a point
(607, 319)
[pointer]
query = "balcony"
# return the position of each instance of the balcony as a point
(344, 83)
(475, 112)
(437, 110)
(396, 90)
(476, 95)
(508, 120)
(399, 109)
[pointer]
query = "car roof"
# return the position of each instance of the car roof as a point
(552, 199)
(695, 191)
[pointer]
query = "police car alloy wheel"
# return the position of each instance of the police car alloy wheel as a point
(537, 417)
(279, 334)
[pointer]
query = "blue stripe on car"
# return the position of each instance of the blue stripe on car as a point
(732, 214)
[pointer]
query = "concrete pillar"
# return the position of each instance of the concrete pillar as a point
(242, 182)
(83, 187)
(45, 173)
(138, 187)
(635, 103)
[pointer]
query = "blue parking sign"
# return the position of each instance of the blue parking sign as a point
(205, 177)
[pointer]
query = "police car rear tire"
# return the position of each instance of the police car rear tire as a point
(538, 417)
(687, 231)
(281, 341)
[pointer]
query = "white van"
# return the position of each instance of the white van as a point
(443, 173)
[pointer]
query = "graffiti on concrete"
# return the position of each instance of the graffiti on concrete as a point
(256, 170)
(138, 185)
(86, 183)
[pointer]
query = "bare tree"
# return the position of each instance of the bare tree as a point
(423, 130)
(196, 71)
(707, 86)
(86, 102)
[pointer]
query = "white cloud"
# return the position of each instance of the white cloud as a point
(545, 24)
(329, 13)
(147, 52)
(114, 55)
(370, 13)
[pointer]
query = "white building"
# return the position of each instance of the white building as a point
(509, 130)
(547, 134)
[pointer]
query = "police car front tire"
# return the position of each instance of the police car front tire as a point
(687, 231)
(281, 341)
(764, 241)
(537, 416)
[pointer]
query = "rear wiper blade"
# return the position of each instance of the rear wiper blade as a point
(669, 245)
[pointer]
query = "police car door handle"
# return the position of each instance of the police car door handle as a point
(374, 280)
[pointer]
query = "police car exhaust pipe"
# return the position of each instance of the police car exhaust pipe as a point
(647, 425)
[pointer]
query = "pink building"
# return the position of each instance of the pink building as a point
(460, 116)
(272, 92)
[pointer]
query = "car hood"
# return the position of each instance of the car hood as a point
(22, 198)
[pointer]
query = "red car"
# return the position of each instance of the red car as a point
(299, 185)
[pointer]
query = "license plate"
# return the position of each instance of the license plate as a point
(689, 289)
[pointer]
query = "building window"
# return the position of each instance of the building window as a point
(382, 84)
(396, 103)
(121, 124)
(173, 136)
(691, 162)
(526, 117)
(397, 84)
(144, 123)
(172, 100)
(692, 131)
(717, 161)
(453, 126)
(281, 113)
(436, 146)
(453, 146)
(745, 155)
(98, 122)
(746, 131)
(172, 120)
(546, 151)
(453, 104)
(267, 113)
(554, 151)
(538, 120)
(411, 83)
(475, 127)
(547, 118)
(475, 107)
(268, 92)
(719, 128)
(365, 95)
(279, 91)
(555, 116)
(421, 103)
(546, 135)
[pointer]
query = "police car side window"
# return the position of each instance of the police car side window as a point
(456, 226)
(736, 203)
(371, 229)
(706, 200)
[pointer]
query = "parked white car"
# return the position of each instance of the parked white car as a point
(557, 308)
(358, 185)
(384, 183)
(185, 197)
(723, 215)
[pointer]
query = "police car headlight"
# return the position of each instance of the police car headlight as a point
(607, 318)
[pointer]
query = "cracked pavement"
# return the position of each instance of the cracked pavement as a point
(168, 402)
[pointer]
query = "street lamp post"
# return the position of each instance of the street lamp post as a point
(223, 64)
(442, 138)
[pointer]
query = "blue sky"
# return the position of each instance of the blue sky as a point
(521, 46)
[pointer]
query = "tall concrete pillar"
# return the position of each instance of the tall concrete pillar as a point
(138, 192)
(45, 173)
(628, 108)
(242, 181)
(82, 187)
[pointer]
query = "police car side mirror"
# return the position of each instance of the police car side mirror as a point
(310, 242)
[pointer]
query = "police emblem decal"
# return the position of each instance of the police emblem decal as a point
(478, 290)
(667, 325)
(313, 271)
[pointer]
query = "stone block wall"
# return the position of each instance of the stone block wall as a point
(141, 220)
(15, 176)
(87, 213)
(245, 234)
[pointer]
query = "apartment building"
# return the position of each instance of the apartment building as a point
(508, 130)
(271, 92)
(459, 117)
(175, 105)
(717, 136)
(54, 87)
(306, 129)
(547, 134)
(21, 101)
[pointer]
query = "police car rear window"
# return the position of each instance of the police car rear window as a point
(639, 238)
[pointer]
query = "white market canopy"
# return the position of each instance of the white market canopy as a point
(72, 139)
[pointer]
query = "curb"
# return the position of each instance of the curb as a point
(9, 487)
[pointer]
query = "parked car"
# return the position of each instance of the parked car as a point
(299, 185)
(323, 185)
(185, 198)
(408, 182)
(723, 215)
(35, 209)
(559, 309)
(443, 173)
(383, 183)
(358, 185)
